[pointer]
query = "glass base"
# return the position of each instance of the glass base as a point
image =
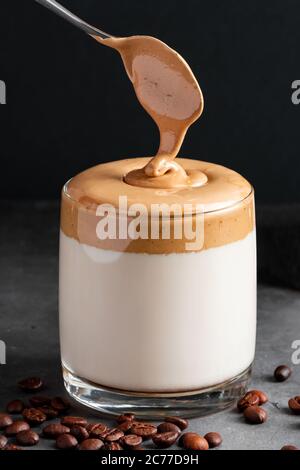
(156, 406)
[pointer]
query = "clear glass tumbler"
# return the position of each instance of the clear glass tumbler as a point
(162, 331)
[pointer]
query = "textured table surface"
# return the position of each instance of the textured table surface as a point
(29, 327)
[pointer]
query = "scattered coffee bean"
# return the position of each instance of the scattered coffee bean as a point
(289, 447)
(48, 411)
(282, 373)
(214, 439)
(34, 416)
(15, 427)
(113, 446)
(79, 432)
(11, 447)
(39, 401)
(66, 441)
(131, 441)
(263, 397)
(255, 415)
(125, 426)
(193, 441)
(125, 417)
(168, 427)
(27, 438)
(165, 439)
(5, 420)
(90, 444)
(60, 404)
(113, 435)
(74, 421)
(3, 442)
(104, 434)
(145, 430)
(52, 431)
(97, 429)
(180, 422)
(90, 426)
(249, 399)
(294, 405)
(31, 384)
(15, 407)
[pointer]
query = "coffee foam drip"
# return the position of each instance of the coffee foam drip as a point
(168, 90)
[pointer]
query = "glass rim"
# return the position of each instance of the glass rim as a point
(213, 211)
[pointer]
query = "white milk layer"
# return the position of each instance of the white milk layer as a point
(158, 323)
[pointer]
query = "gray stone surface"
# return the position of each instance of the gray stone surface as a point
(29, 327)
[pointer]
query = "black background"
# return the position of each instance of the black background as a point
(70, 104)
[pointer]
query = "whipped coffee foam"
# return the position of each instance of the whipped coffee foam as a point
(226, 200)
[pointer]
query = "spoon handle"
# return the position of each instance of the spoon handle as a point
(75, 20)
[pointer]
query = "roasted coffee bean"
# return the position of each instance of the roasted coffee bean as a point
(165, 439)
(90, 444)
(11, 447)
(90, 426)
(34, 416)
(60, 404)
(282, 373)
(79, 432)
(5, 420)
(125, 417)
(249, 399)
(113, 446)
(113, 435)
(74, 421)
(52, 431)
(168, 427)
(180, 422)
(15, 427)
(294, 405)
(31, 384)
(289, 447)
(104, 434)
(39, 401)
(97, 429)
(255, 415)
(3, 442)
(27, 438)
(66, 441)
(48, 411)
(131, 441)
(145, 430)
(15, 407)
(214, 439)
(193, 441)
(125, 426)
(263, 397)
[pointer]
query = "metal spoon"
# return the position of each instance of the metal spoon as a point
(75, 20)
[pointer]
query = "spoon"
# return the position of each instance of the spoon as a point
(75, 20)
(166, 88)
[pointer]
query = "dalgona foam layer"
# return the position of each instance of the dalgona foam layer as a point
(226, 199)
